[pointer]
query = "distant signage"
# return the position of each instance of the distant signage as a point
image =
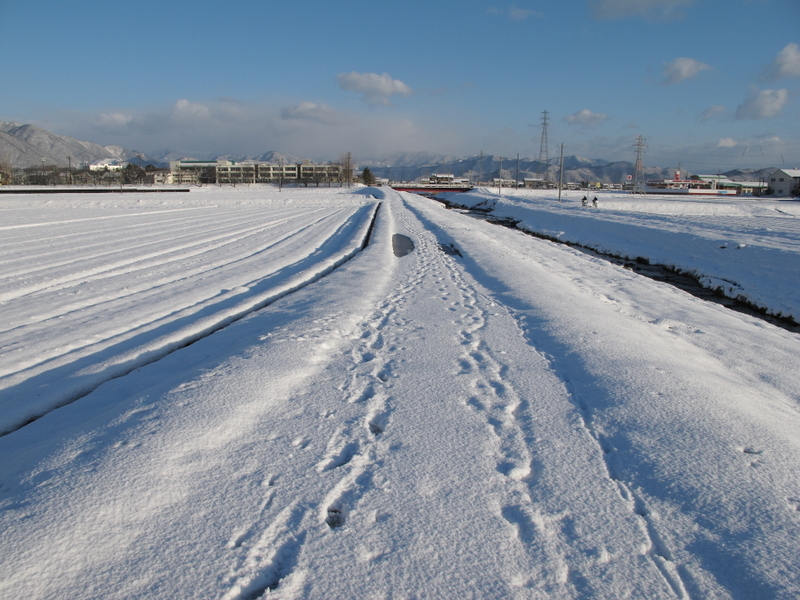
(630, 177)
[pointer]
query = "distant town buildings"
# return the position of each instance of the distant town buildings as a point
(108, 164)
(704, 185)
(229, 171)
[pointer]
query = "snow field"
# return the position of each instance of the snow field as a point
(99, 302)
(742, 247)
(515, 420)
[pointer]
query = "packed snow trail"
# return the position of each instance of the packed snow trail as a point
(677, 412)
(487, 416)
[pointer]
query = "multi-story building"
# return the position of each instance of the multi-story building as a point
(229, 171)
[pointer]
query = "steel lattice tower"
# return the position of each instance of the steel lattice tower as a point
(638, 169)
(543, 159)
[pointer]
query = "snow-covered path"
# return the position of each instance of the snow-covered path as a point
(488, 416)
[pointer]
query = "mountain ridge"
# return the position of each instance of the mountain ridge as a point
(26, 145)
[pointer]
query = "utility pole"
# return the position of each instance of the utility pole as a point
(69, 159)
(480, 168)
(500, 178)
(280, 177)
(516, 178)
(638, 170)
(561, 172)
(543, 159)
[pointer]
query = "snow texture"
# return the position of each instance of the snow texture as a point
(483, 414)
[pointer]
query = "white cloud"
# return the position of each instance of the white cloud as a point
(209, 128)
(515, 13)
(115, 120)
(683, 68)
(763, 104)
(520, 14)
(649, 9)
(319, 113)
(585, 118)
(192, 110)
(727, 143)
(713, 111)
(377, 89)
(786, 64)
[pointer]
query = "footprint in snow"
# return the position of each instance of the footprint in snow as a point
(341, 458)
(336, 516)
(301, 442)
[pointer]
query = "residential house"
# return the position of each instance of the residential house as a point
(785, 182)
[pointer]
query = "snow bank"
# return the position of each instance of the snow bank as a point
(744, 248)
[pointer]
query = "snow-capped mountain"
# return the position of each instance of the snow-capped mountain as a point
(488, 167)
(25, 145)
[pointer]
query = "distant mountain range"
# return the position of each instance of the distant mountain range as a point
(27, 145)
(409, 166)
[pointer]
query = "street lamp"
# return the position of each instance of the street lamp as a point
(43, 182)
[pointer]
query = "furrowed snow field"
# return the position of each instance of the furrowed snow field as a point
(224, 414)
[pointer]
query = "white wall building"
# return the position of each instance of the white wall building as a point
(108, 164)
(228, 171)
(785, 182)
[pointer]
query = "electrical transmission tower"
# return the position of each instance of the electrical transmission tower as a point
(543, 159)
(638, 170)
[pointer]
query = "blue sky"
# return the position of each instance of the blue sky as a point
(712, 84)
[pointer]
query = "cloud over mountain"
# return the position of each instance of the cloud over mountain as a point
(319, 113)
